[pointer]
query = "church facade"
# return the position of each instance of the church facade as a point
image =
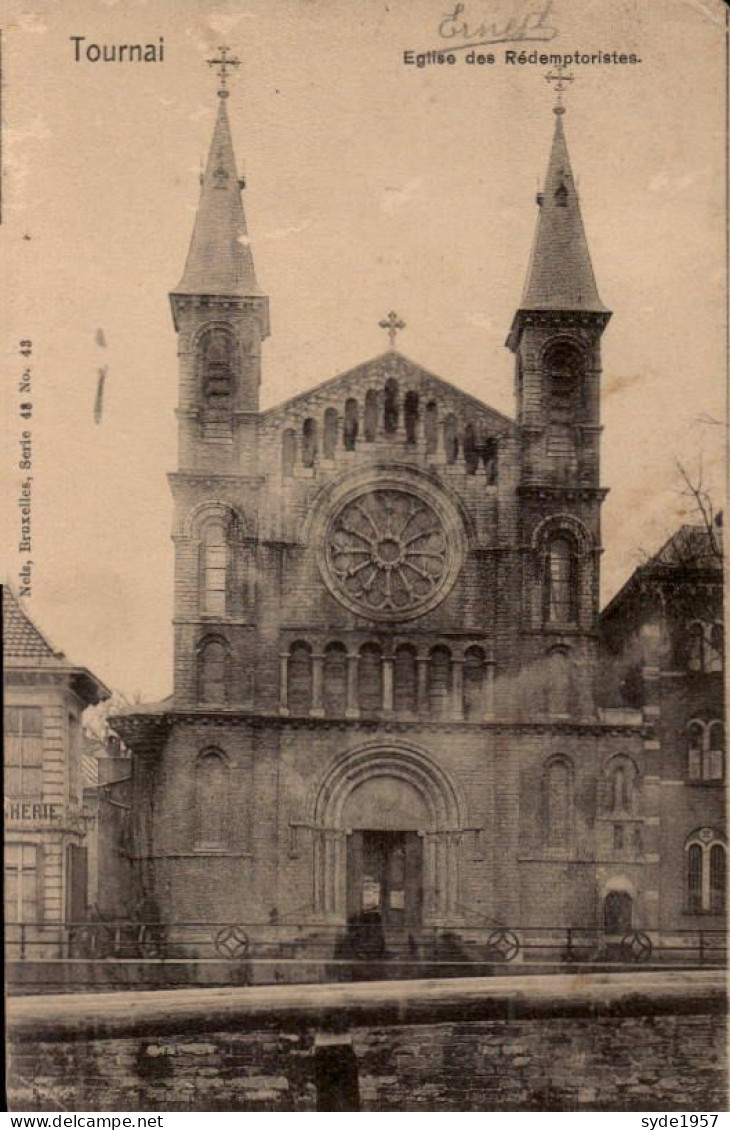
(386, 627)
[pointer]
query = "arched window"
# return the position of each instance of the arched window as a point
(563, 367)
(410, 415)
(214, 563)
(371, 414)
(451, 438)
(299, 678)
(370, 679)
(618, 913)
(213, 671)
(471, 455)
(489, 455)
(560, 582)
(329, 442)
(715, 647)
(352, 423)
(309, 442)
(705, 751)
(211, 800)
(288, 452)
(475, 705)
(217, 366)
(705, 872)
(558, 682)
(335, 680)
(716, 752)
(694, 878)
(390, 408)
(439, 681)
(405, 680)
(696, 646)
(717, 878)
(431, 426)
(558, 783)
(619, 790)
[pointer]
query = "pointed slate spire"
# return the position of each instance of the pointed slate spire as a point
(219, 260)
(560, 275)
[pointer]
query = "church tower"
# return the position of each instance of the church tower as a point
(556, 338)
(221, 318)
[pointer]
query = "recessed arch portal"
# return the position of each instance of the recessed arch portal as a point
(389, 788)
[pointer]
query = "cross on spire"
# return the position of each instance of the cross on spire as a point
(561, 80)
(223, 63)
(392, 324)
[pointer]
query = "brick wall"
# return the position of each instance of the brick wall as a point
(615, 1044)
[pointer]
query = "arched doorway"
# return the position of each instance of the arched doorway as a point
(618, 913)
(387, 830)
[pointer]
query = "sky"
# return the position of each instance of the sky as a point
(371, 185)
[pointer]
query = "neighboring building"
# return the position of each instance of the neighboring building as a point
(45, 830)
(664, 652)
(387, 627)
(107, 805)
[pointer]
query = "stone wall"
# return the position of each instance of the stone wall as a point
(597, 1042)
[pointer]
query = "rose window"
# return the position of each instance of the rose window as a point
(387, 553)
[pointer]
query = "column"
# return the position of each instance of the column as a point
(422, 689)
(317, 673)
(387, 685)
(457, 686)
(490, 673)
(352, 710)
(283, 680)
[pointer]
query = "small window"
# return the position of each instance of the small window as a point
(288, 453)
(390, 410)
(716, 752)
(371, 414)
(715, 647)
(410, 415)
(21, 883)
(352, 423)
(471, 455)
(309, 442)
(451, 439)
(696, 646)
(489, 455)
(694, 879)
(330, 433)
(431, 427)
(24, 751)
(717, 879)
(560, 594)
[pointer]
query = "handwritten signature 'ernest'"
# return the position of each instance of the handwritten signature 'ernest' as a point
(531, 24)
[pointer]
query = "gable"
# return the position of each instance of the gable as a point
(374, 374)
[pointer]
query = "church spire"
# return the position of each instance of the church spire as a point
(219, 260)
(560, 275)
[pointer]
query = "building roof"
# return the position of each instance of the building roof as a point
(219, 259)
(21, 638)
(692, 549)
(560, 275)
(25, 646)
